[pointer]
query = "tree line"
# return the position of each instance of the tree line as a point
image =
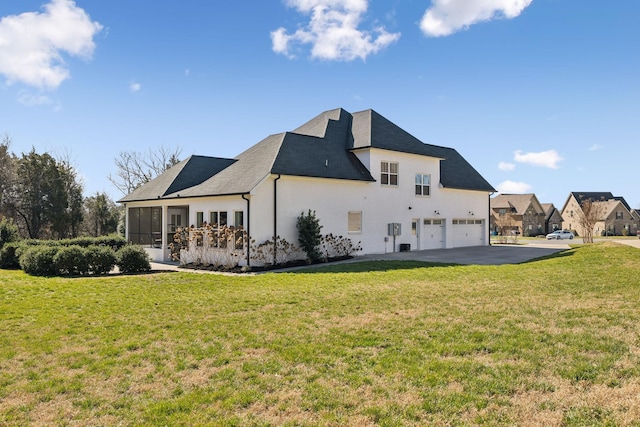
(43, 196)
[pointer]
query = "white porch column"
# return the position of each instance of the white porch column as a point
(166, 252)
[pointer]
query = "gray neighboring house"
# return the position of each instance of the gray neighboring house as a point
(552, 218)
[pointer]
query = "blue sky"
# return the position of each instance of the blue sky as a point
(539, 96)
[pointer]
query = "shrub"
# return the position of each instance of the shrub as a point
(113, 241)
(71, 261)
(100, 259)
(38, 261)
(132, 259)
(10, 255)
(309, 235)
(8, 232)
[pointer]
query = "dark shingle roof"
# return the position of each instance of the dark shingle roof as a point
(370, 129)
(598, 196)
(322, 148)
(188, 173)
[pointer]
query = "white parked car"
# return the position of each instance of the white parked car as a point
(559, 235)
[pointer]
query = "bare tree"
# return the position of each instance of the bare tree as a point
(590, 214)
(507, 227)
(135, 168)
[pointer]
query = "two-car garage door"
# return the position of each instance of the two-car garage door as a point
(468, 232)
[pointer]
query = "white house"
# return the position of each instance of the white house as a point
(359, 173)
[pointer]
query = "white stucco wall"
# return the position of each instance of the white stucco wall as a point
(333, 199)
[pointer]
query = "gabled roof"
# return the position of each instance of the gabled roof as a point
(519, 202)
(549, 210)
(371, 130)
(188, 173)
(321, 148)
(608, 207)
(595, 196)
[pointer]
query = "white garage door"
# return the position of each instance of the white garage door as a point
(432, 236)
(468, 232)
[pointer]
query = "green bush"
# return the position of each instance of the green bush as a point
(132, 259)
(8, 232)
(100, 259)
(309, 235)
(71, 261)
(113, 241)
(10, 255)
(38, 261)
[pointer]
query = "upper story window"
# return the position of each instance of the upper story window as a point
(423, 184)
(619, 215)
(389, 173)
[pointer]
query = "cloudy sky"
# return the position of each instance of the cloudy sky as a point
(540, 96)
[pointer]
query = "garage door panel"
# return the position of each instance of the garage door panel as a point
(468, 233)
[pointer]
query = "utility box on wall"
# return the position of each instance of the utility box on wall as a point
(394, 229)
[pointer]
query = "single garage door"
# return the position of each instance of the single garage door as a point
(432, 236)
(468, 232)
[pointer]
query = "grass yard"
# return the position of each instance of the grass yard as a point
(554, 342)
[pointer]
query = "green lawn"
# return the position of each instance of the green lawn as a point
(550, 342)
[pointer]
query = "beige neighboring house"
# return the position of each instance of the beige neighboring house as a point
(552, 218)
(616, 217)
(527, 213)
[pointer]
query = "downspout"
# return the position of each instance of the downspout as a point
(248, 229)
(275, 217)
(489, 218)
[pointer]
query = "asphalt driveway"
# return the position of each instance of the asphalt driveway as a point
(480, 255)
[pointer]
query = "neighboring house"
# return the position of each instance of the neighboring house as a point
(359, 172)
(615, 215)
(552, 218)
(523, 212)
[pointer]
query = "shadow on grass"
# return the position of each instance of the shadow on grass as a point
(373, 266)
(560, 254)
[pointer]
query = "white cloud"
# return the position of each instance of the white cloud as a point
(514, 187)
(31, 100)
(445, 17)
(135, 86)
(547, 159)
(332, 31)
(32, 43)
(595, 147)
(504, 166)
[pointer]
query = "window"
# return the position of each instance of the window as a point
(238, 217)
(423, 184)
(199, 219)
(217, 221)
(176, 221)
(619, 215)
(145, 226)
(354, 222)
(389, 173)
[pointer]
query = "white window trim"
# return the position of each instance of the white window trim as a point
(422, 185)
(349, 230)
(389, 174)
